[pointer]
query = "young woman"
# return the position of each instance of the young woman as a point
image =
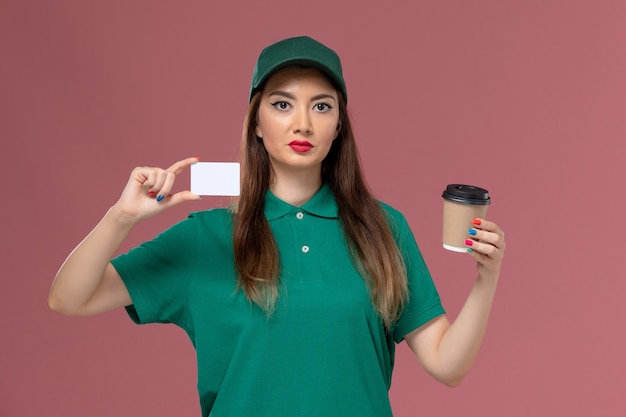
(295, 297)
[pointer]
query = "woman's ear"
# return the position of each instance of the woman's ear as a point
(258, 132)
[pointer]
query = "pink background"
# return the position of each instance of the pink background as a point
(525, 98)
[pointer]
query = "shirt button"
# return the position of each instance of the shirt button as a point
(305, 249)
(299, 215)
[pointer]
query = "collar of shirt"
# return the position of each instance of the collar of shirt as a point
(322, 204)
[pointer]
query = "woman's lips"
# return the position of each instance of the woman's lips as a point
(300, 146)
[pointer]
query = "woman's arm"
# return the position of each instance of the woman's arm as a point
(87, 283)
(446, 350)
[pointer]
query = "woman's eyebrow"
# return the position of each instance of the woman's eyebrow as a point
(292, 97)
(323, 95)
(284, 94)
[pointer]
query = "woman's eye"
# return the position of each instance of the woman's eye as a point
(281, 105)
(323, 107)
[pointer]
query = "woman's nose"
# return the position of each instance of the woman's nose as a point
(302, 121)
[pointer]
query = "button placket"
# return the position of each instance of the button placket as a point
(300, 216)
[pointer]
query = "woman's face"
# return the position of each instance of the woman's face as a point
(298, 119)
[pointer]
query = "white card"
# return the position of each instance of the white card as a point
(215, 178)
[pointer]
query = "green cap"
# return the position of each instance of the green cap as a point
(301, 51)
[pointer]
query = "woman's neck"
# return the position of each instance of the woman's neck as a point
(295, 188)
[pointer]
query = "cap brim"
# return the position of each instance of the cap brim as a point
(297, 62)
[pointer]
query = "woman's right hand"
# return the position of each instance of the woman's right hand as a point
(148, 192)
(87, 283)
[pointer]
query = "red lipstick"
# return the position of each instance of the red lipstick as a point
(300, 146)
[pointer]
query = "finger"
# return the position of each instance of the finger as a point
(166, 186)
(163, 184)
(147, 177)
(479, 257)
(483, 236)
(180, 166)
(159, 179)
(181, 197)
(485, 261)
(483, 248)
(484, 224)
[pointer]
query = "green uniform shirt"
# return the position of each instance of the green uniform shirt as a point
(324, 351)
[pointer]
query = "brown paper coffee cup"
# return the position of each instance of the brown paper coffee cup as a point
(461, 204)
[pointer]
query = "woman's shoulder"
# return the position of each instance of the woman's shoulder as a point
(212, 224)
(395, 218)
(213, 214)
(219, 219)
(391, 211)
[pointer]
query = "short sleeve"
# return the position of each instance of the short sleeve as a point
(424, 303)
(157, 275)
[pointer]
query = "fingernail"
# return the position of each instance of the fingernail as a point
(159, 198)
(470, 250)
(468, 242)
(152, 192)
(472, 232)
(476, 222)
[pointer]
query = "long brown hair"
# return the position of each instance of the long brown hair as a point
(374, 251)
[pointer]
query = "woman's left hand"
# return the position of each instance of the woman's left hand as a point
(486, 244)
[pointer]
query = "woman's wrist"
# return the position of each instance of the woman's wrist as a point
(119, 218)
